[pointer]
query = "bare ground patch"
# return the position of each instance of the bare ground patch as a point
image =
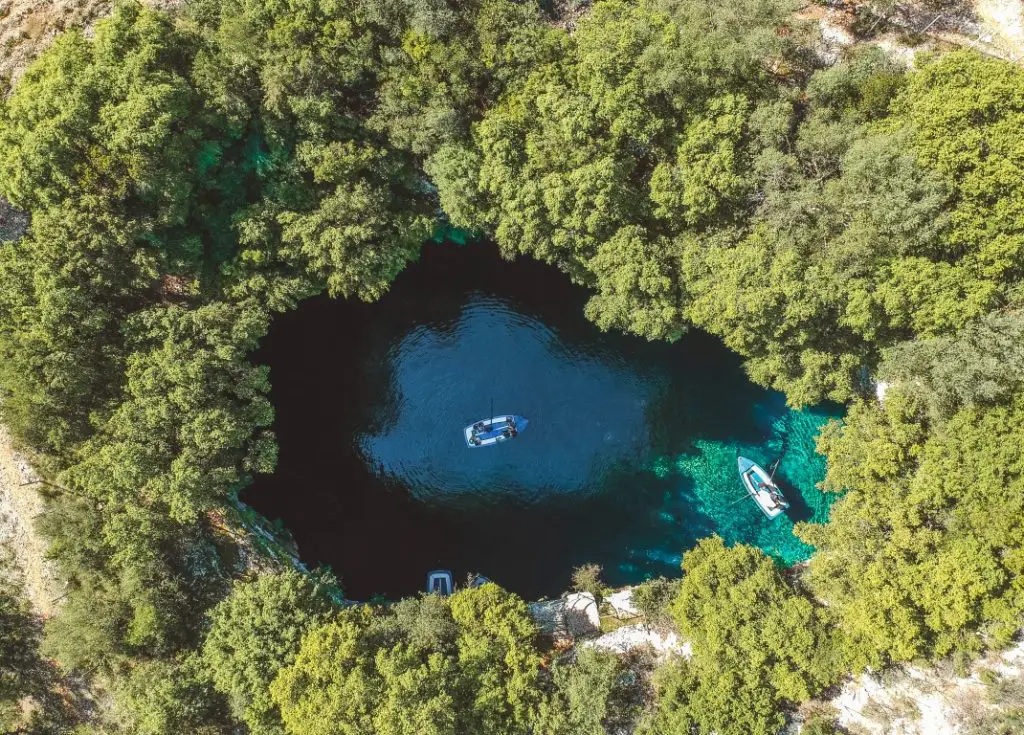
(27, 27)
(20, 505)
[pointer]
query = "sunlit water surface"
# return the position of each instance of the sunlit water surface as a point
(629, 457)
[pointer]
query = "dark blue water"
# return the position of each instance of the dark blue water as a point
(629, 457)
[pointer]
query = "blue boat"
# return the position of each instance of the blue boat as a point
(761, 488)
(496, 429)
(439, 582)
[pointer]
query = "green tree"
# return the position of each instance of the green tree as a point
(169, 698)
(332, 686)
(757, 643)
(706, 181)
(966, 116)
(437, 666)
(254, 633)
(455, 170)
(638, 286)
(138, 582)
(180, 444)
(977, 366)
(850, 263)
(452, 63)
(337, 203)
(587, 578)
(820, 724)
(497, 659)
(653, 598)
(691, 698)
(67, 286)
(193, 422)
(641, 129)
(860, 227)
(117, 117)
(592, 694)
(921, 556)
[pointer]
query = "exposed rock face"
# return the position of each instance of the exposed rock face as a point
(621, 602)
(1005, 19)
(629, 637)
(582, 616)
(574, 616)
(27, 27)
(926, 700)
(567, 13)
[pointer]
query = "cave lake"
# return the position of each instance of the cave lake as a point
(628, 459)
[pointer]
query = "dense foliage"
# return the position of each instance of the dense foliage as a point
(190, 174)
(756, 642)
(926, 548)
(433, 666)
(19, 646)
(256, 631)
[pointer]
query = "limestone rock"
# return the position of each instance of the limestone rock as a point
(582, 616)
(625, 639)
(549, 616)
(621, 603)
(572, 617)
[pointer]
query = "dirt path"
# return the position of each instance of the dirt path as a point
(1004, 19)
(991, 27)
(29, 26)
(20, 505)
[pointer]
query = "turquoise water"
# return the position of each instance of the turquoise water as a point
(629, 457)
(704, 481)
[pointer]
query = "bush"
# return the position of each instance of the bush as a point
(587, 578)
(653, 598)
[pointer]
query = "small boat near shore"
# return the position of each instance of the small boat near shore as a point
(491, 431)
(761, 488)
(439, 581)
(442, 582)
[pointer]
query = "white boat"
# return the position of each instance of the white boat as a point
(496, 429)
(439, 581)
(761, 488)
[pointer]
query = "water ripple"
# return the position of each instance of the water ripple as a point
(585, 416)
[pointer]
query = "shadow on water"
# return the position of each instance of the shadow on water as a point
(799, 510)
(629, 458)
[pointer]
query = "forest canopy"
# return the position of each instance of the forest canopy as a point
(190, 174)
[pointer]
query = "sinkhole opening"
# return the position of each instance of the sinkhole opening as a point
(628, 457)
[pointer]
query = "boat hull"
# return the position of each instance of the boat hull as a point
(493, 430)
(770, 500)
(439, 581)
